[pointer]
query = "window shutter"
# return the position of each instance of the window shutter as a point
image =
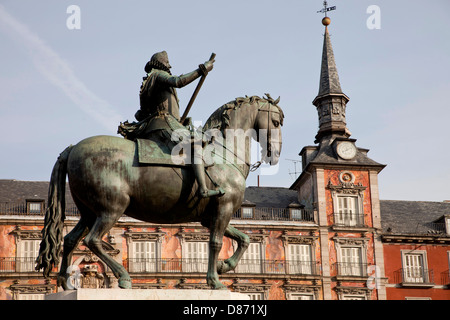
(299, 258)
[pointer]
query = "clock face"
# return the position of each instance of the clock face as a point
(346, 150)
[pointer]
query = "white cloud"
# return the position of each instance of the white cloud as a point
(58, 72)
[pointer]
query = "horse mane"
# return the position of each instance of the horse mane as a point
(220, 119)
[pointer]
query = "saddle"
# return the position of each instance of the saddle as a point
(156, 137)
(157, 151)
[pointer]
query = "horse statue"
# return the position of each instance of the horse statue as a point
(106, 181)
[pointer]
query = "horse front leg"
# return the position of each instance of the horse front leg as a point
(243, 242)
(217, 229)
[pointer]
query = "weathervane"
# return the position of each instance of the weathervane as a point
(326, 21)
(326, 8)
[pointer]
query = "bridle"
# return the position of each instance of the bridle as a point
(257, 164)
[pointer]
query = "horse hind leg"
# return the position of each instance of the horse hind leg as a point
(93, 240)
(71, 241)
(243, 242)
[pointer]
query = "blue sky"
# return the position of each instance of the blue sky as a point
(59, 86)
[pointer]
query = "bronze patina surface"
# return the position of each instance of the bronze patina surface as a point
(107, 181)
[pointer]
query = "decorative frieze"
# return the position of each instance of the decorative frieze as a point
(144, 236)
(183, 284)
(26, 234)
(346, 186)
(348, 241)
(17, 289)
(299, 288)
(246, 287)
(362, 292)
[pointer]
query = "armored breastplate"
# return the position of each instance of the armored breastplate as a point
(164, 99)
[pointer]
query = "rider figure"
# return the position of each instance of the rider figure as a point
(158, 97)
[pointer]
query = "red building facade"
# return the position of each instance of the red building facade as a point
(416, 245)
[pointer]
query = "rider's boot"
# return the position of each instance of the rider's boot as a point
(203, 190)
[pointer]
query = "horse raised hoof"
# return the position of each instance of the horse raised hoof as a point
(224, 266)
(125, 283)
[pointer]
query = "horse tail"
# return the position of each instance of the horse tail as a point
(52, 233)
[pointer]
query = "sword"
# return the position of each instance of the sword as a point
(194, 95)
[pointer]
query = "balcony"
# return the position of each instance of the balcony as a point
(13, 264)
(350, 269)
(244, 213)
(274, 214)
(445, 278)
(284, 267)
(415, 277)
(349, 220)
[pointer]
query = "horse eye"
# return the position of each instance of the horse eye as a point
(276, 123)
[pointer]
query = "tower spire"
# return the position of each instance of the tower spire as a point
(331, 101)
(329, 78)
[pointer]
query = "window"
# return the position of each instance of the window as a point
(31, 291)
(350, 263)
(144, 250)
(347, 212)
(196, 256)
(28, 251)
(247, 213)
(447, 225)
(414, 267)
(35, 206)
(348, 199)
(299, 259)
(143, 256)
(31, 296)
(256, 296)
(251, 260)
(296, 214)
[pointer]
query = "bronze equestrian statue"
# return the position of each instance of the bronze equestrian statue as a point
(108, 179)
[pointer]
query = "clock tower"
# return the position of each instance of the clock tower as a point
(339, 182)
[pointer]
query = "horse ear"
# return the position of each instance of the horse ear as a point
(276, 101)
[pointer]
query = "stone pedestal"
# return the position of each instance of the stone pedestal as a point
(146, 294)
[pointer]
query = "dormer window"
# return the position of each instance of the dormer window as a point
(35, 206)
(447, 225)
(247, 212)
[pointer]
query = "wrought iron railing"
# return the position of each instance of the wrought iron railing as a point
(14, 264)
(23, 209)
(414, 275)
(255, 213)
(277, 214)
(201, 265)
(349, 220)
(445, 278)
(351, 269)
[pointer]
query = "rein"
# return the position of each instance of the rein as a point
(257, 164)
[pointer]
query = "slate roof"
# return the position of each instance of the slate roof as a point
(327, 155)
(272, 197)
(412, 217)
(17, 191)
(329, 78)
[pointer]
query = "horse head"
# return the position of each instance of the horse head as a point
(268, 124)
(248, 118)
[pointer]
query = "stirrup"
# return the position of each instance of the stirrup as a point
(212, 193)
